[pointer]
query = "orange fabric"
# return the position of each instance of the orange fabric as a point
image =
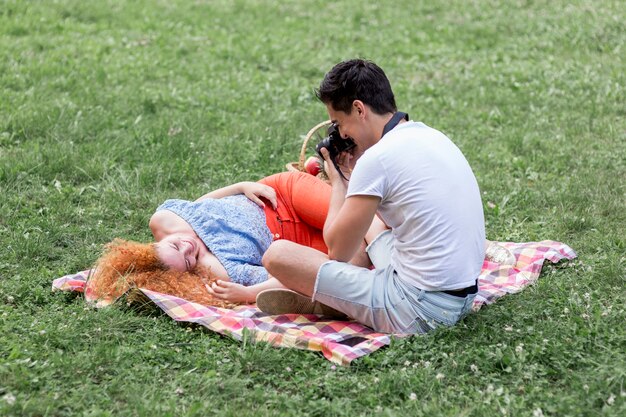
(302, 208)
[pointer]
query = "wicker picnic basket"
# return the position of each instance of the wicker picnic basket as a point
(318, 131)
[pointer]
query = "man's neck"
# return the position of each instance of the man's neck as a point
(386, 119)
(380, 121)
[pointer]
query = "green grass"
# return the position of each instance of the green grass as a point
(107, 108)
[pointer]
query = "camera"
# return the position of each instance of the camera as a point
(335, 144)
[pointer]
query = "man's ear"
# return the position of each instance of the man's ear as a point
(359, 107)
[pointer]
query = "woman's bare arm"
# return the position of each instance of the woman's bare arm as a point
(229, 190)
(253, 190)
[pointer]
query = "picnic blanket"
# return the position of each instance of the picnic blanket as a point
(339, 341)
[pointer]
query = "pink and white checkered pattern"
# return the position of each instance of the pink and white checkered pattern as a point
(339, 341)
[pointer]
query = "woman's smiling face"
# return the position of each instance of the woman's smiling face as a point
(179, 251)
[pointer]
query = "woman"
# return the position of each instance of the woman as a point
(219, 240)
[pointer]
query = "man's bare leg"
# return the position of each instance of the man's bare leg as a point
(294, 265)
(361, 258)
(376, 228)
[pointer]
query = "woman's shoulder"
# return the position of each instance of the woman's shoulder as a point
(165, 222)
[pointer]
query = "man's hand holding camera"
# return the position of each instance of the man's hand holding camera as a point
(338, 170)
(339, 155)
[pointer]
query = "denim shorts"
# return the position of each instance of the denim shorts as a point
(381, 300)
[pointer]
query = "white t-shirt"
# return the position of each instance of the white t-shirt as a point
(431, 201)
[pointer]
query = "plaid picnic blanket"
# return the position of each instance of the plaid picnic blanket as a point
(339, 341)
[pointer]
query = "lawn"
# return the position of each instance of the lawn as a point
(107, 108)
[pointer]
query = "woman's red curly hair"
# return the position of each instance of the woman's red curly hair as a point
(127, 264)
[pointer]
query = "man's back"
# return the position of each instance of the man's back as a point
(430, 199)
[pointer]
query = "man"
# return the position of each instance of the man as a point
(420, 184)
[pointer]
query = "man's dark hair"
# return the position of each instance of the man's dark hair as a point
(357, 79)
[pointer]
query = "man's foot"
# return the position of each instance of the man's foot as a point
(283, 301)
(499, 254)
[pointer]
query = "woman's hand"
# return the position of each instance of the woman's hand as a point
(230, 291)
(254, 191)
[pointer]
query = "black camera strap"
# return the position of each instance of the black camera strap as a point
(394, 121)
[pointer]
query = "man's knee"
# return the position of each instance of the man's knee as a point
(274, 256)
